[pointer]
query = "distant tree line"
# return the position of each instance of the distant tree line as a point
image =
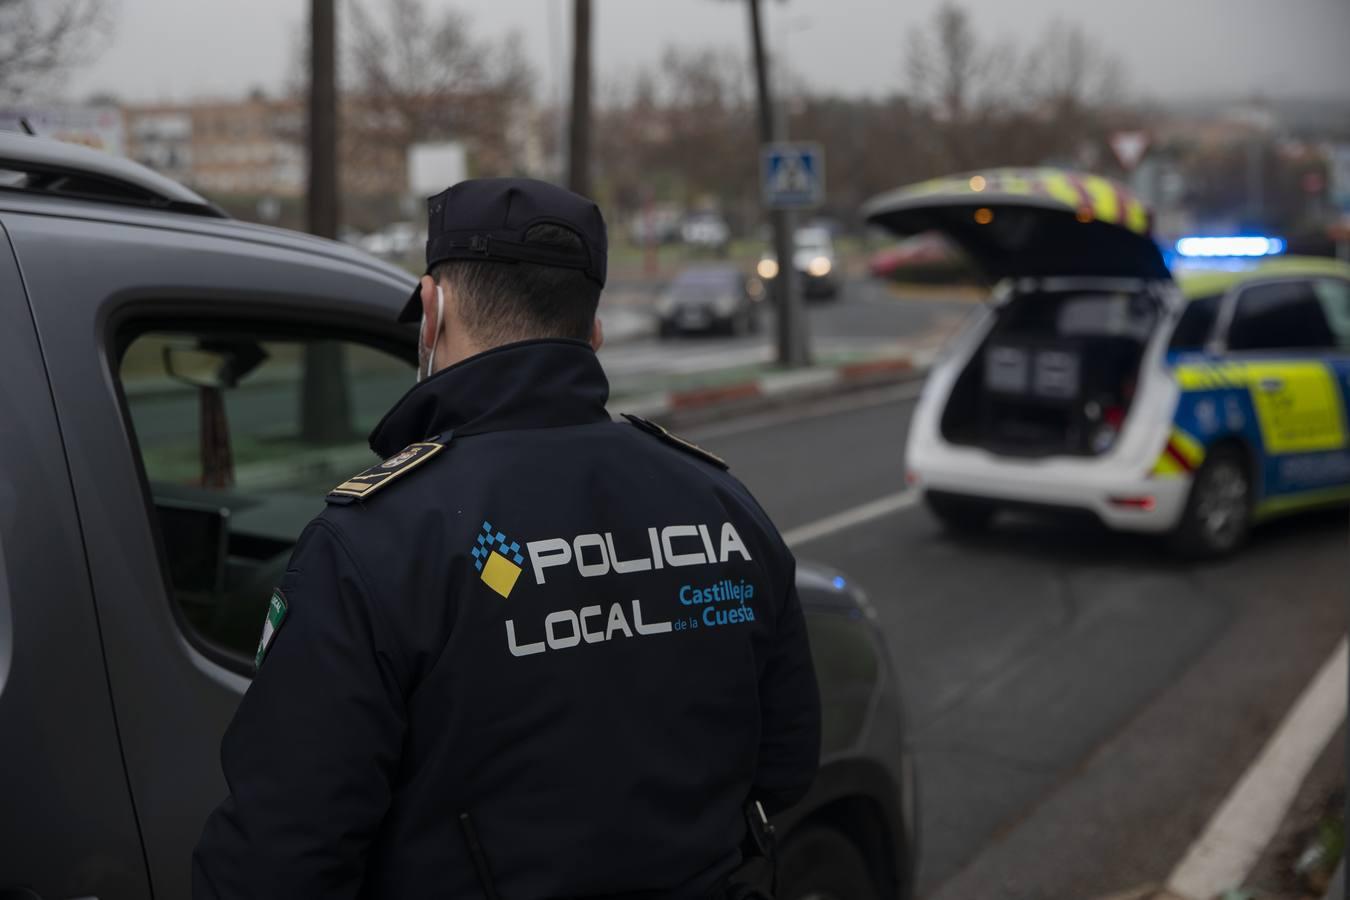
(682, 128)
(42, 40)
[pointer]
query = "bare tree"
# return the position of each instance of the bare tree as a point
(1068, 67)
(988, 103)
(953, 71)
(41, 40)
(421, 74)
(414, 74)
(403, 58)
(963, 82)
(680, 130)
(1072, 79)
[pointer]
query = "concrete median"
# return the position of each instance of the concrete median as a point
(699, 405)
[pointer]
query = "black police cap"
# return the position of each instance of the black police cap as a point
(487, 219)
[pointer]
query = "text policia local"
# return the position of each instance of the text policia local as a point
(594, 556)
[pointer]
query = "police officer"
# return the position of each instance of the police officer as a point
(535, 653)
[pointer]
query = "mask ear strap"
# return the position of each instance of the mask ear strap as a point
(436, 333)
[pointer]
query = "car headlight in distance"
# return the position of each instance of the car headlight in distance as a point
(767, 268)
(819, 267)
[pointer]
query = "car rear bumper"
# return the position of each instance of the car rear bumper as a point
(697, 321)
(818, 285)
(1119, 499)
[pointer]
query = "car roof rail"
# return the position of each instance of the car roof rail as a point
(36, 165)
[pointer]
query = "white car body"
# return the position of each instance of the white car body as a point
(1095, 484)
(1054, 435)
(1097, 386)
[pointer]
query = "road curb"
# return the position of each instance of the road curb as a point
(698, 406)
(705, 397)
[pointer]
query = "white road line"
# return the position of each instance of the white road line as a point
(875, 509)
(1244, 824)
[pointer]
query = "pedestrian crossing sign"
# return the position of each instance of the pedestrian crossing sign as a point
(792, 175)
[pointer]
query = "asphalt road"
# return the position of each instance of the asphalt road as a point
(1078, 702)
(864, 318)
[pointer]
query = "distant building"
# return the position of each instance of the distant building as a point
(99, 127)
(255, 146)
(245, 147)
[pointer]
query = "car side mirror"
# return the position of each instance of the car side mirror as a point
(213, 365)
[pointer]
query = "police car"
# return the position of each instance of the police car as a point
(1190, 401)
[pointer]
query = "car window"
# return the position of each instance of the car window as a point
(1196, 323)
(241, 437)
(1282, 315)
(1334, 295)
(703, 282)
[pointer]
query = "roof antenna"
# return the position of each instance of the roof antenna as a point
(27, 127)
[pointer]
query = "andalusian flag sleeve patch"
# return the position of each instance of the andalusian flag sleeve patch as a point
(276, 615)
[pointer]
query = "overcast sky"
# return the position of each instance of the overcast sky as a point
(177, 49)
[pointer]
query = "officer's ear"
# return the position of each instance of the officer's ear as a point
(597, 335)
(429, 317)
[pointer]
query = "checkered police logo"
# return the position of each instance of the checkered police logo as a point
(497, 560)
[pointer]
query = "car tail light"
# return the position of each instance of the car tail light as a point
(1144, 503)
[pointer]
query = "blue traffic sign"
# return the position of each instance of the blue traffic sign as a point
(792, 175)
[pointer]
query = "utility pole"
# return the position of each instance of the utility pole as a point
(325, 407)
(579, 137)
(792, 352)
(322, 199)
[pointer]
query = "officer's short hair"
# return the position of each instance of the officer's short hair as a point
(502, 302)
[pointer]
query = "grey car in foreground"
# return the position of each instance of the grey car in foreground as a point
(178, 390)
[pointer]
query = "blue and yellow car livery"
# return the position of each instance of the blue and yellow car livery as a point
(1285, 409)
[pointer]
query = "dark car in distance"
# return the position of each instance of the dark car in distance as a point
(711, 298)
(161, 367)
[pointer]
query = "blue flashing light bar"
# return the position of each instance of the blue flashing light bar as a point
(1242, 245)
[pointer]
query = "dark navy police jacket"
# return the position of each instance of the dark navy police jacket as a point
(580, 634)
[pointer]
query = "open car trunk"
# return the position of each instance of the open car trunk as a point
(1055, 375)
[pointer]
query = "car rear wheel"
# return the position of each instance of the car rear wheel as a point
(962, 515)
(822, 864)
(1218, 511)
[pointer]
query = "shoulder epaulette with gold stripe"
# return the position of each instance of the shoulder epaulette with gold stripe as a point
(675, 440)
(362, 485)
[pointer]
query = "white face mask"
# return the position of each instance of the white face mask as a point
(426, 356)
